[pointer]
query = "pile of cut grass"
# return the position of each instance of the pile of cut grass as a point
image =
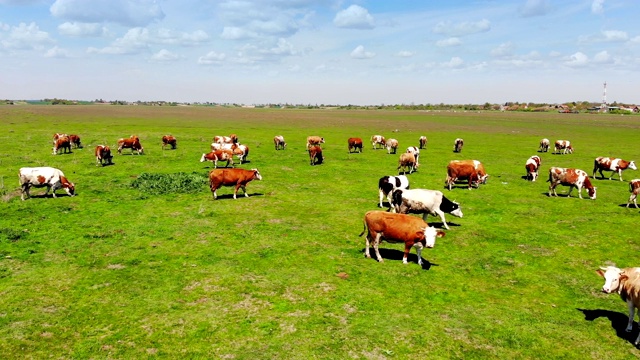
(181, 182)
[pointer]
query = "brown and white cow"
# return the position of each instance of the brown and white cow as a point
(563, 147)
(355, 144)
(570, 177)
(626, 282)
(378, 140)
(315, 155)
(392, 146)
(218, 155)
(132, 143)
(416, 153)
(50, 177)
(169, 140)
(75, 140)
(423, 142)
(103, 155)
(407, 160)
(544, 145)
(220, 146)
(231, 139)
(279, 142)
(531, 166)
(314, 140)
(56, 136)
(398, 228)
(471, 170)
(634, 189)
(240, 151)
(62, 144)
(457, 145)
(612, 164)
(232, 177)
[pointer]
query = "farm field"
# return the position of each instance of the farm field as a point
(123, 272)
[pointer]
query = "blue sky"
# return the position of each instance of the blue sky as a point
(322, 51)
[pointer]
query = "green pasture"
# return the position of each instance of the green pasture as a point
(122, 272)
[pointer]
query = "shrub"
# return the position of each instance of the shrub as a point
(181, 182)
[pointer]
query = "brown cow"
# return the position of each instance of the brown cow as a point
(572, 178)
(563, 147)
(634, 188)
(315, 155)
(132, 143)
(471, 170)
(241, 151)
(314, 140)
(56, 136)
(169, 140)
(75, 140)
(392, 146)
(355, 144)
(62, 143)
(407, 160)
(232, 177)
(398, 228)
(378, 140)
(457, 145)
(626, 282)
(531, 166)
(612, 164)
(423, 142)
(103, 155)
(218, 155)
(279, 143)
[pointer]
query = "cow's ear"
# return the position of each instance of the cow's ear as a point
(440, 234)
(623, 277)
(600, 272)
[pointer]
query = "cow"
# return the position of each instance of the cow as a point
(218, 155)
(234, 138)
(612, 164)
(232, 177)
(570, 177)
(457, 145)
(544, 145)
(407, 160)
(103, 155)
(279, 143)
(425, 202)
(56, 136)
(241, 151)
(634, 189)
(315, 155)
(392, 146)
(220, 146)
(398, 228)
(169, 140)
(625, 282)
(314, 140)
(416, 153)
(378, 140)
(471, 170)
(225, 139)
(387, 184)
(75, 140)
(355, 144)
(63, 143)
(132, 143)
(563, 147)
(531, 166)
(423, 142)
(50, 177)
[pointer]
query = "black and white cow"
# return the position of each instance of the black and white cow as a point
(387, 184)
(422, 201)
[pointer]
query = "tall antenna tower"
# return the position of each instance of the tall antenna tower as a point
(604, 107)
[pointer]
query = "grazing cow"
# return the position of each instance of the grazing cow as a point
(392, 146)
(241, 151)
(387, 184)
(532, 165)
(398, 228)
(279, 143)
(315, 155)
(471, 170)
(75, 140)
(425, 202)
(423, 142)
(416, 153)
(378, 140)
(169, 140)
(132, 143)
(407, 160)
(56, 136)
(50, 177)
(544, 145)
(570, 177)
(563, 147)
(232, 177)
(103, 155)
(62, 143)
(218, 155)
(314, 140)
(634, 189)
(613, 165)
(355, 144)
(457, 145)
(625, 282)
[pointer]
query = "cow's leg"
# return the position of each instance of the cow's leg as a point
(439, 213)
(367, 243)
(25, 190)
(376, 243)
(419, 247)
(620, 174)
(570, 189)
(235, 190)
(632, 313)
(244, 190)
(381, 195)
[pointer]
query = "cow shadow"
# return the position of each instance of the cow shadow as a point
(440, 225)
(393, 254)
(239, 196)
(618, 322)
(631, 206)
(49, 196)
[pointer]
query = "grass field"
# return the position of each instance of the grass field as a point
(119, 272)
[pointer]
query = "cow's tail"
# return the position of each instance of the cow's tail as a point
(364, 224)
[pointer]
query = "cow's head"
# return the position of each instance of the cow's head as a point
(570, 149)
(612, 278)
(430, 235)
(396, 199)
(592, 192)
(69, 187)
(256, 174)
(456, 210)
(632, 165)
(483, 179)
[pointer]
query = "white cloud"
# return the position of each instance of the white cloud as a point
(454, 63)
(56, 52)
(453, 41)
(124, 12)
(535, 8)
(133, 42)
(212, 58)
(82, 29)
(360, 53)
(597, 6)
(606, 36)
(354, 17)
(283, 47)
(236, 33)
(27, 37)
(463, 28)
(165, 55)
(503, 50)
(405, 53)
(603, 57)
(577, 60)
